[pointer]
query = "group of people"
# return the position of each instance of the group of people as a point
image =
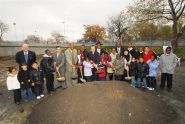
(70, 67)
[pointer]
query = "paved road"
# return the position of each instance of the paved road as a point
(103, 103)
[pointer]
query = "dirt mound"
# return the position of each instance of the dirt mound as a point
(103, 103)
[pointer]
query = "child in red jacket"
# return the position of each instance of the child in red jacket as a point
(147, 54)
(101, 71)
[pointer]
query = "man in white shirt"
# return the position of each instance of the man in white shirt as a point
(99, 49)
(59, 61)
(131, 50)
(25, 56)
(119, 49)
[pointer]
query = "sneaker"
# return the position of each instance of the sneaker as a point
(38, 97)
(42, 95)
(150, 88)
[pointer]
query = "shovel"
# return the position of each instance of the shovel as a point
(82, 78)
(60, 78)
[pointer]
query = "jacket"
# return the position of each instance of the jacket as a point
(71, 58)
(147, 56)
(142, 69)
(47, 65)
(94, 57)
(118, 67)
(102, 67)
(37, 76)
(168, 63)
(12, 82)
(60, 62)
(132, 51)
(133, 69)
(153, 66)
(24, 79)
(101, 51)
(21, 59)
(121, 50)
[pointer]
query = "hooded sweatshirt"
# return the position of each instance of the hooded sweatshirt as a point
(168, 63)
(46, 65)
(153, 65)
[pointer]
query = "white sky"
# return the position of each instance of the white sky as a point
(41, 17)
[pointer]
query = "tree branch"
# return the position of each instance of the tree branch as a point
(181, 32)
(172, 8)
(178, 16)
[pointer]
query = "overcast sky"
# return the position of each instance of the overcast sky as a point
(41, 17)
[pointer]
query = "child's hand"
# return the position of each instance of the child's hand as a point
(44, 79)
(28, 80)
(22, 82)
(33, 84)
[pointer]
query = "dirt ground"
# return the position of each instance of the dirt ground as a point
(103, 103)
(97, 103)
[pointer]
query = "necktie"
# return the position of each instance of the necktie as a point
(26, 57)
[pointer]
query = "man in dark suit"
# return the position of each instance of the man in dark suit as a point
(95, 58)
(94, 55)
(131, 50)
(119, 49)
(99, 49)
(25, 56)
(82, 55)
(84, 51)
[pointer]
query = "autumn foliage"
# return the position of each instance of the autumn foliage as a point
(94, 32)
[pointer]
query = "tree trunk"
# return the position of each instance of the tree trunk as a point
(175, 39)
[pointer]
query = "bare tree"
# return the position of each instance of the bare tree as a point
(33, 39)
(58, 37)
(116, 26)
(171, 11)
(3, 29)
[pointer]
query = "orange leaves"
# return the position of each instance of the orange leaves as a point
(95, 32)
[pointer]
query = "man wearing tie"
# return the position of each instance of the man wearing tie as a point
(60, 63)
(99, 49)
(95, 59)
(119, 49)
(25, 56)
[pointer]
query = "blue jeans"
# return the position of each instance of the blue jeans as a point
(39, 88)
(133, 81)
(139, 83)
(26, 94)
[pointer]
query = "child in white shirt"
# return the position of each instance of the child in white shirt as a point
(13, 84)
(87, 70)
